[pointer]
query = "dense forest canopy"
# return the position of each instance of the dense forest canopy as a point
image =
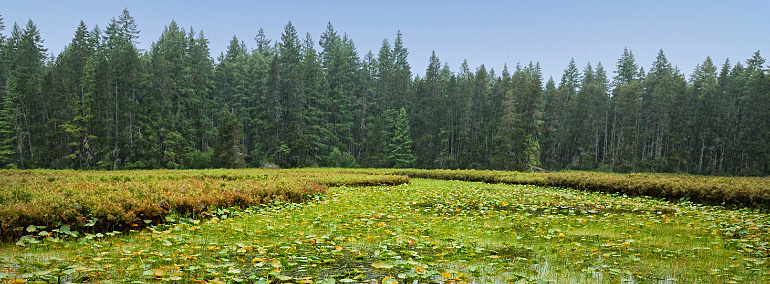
(297, 102)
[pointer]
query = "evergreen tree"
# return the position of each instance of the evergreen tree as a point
(272, 146)
(320, 137)
(364, 104)
(121, 106)
(19, 115)
(703, 89)
(550, 140)
(401, 142)
(263, 44)
(467, 125)
(402, 75)
(341, 63)
(3, 59)
(69, 87)
(171, 89)
(447, 120)
(376, 148)
(294, 124)
(601, 99)
(625, 117)
(228, 151)
(235, 91)
(753, 136)
(79, 128)
(568, 115)
(426, 116)
(102, 104)
(201, 103)
(516, 142)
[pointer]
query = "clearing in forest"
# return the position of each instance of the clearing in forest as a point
(426, 231)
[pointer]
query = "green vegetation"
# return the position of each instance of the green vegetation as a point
(305, 100)
(428, 230)
(103, 104)
(122, 200)
(725, 191)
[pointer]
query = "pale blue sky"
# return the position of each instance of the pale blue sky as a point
(483, 32)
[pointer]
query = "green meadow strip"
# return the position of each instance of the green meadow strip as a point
(751, 192)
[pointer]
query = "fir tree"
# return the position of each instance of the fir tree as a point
(401, 142)
(228, 150)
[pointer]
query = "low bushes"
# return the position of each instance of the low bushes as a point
(753, 192)
(127, 199)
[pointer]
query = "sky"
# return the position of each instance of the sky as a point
(493, 33)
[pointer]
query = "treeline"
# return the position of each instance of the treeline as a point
(296, 102)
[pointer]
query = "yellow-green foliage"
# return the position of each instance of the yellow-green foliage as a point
(428, 231)
(126, 199)
(739, 191)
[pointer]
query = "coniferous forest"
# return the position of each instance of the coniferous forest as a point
(299, 102)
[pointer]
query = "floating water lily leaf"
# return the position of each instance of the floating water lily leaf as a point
(304, 281)
(91, 222)
(158, 273)
(283, 277)
(389, 280)
(381, 265)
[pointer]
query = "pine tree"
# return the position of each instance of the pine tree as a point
(402, 75)
(202, 104)
(236, 91)
(79, 128)
(376, 147)
(228, 150)
(703, 90)
(550, 126)
(602, 117)
(516, 142)
(754, 135)
(178, 96)
(566, 114)
(401, 142)
(122, 104)
(341, 63)
(253, 121)
(625, 117)
(271, 143)
(19, 114)
(263, 44)
(319, 136)
(3, 59)
(426, 119)
(294, 125)
(384, 75)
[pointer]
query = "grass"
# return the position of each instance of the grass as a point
(427, 230)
